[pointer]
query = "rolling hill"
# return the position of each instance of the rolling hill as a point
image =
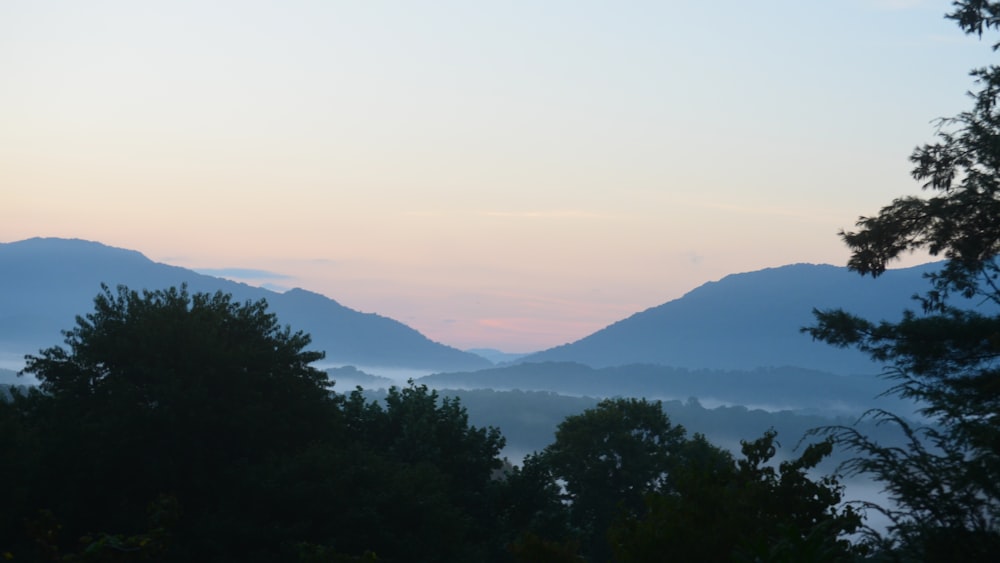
(47, 282)
(750, 320)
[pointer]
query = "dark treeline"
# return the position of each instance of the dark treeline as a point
(190, 428)
(780, 388)
(528, 420)
(183, 427)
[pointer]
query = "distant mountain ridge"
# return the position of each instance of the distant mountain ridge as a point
(751, 320)
(741, 322)
(771, 388)
(496, 356)
(46, 282)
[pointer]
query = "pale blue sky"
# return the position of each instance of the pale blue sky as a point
(505, 174)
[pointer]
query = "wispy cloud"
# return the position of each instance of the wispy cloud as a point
(693, 257)
(551, 214)
(243, 273)
(766, 210)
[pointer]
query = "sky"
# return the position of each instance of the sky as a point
(512, 175)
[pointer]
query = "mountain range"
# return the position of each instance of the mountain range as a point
(782, 388)
(751, 320)
(742, 322)
(47, 282)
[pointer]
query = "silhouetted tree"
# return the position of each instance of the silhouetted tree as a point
(717, 509)
(533, 516)
(607, 458)
(946, 484)
(214, 405)
(430, 492)
(163, 392)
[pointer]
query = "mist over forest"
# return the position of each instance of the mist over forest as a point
(748, 392)
(729, 397)
(804, 412)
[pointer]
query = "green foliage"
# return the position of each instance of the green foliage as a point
(532, 514)
(635, 487)
(608, 457)
(148, 545)
(212, 403)
(19, 458)
(311, 553)
(530, 548)
(721, 510)
(165, 392)
(944, 483)
(418, 426)
(194, 401)
(422, 477)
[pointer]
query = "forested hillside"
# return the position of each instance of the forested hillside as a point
(747, 321)
(785, 388)
(48, 281)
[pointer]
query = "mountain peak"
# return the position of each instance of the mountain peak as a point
(750, 320)
(66, 247)
(48, 281)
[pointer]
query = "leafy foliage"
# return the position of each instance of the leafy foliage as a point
(944, 484)
(720, 510)
(637, 488)
(148, 545)
(214, 404)
(210, 412)
(168, 393)
(608, 457)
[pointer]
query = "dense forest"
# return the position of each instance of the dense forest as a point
(184, 427)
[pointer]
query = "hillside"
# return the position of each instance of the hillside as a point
(748, 321)
(48, 282)
(785, 388)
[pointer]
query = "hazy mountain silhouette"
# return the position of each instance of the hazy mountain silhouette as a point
(347, 378)
(46, 282)
(773, 388)
(9, 377)
(750, 320)
(496, 356)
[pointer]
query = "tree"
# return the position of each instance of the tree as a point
(534, 516)
(636, 488)
(719, 509)
(946, 485)
(163, 392)
(608, 458)
(435, 499)
(215, 406)
(418, 426)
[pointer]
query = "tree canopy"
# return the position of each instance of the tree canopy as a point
(946, 357)
(721, 509)
(178, 427)
(167, 399)
(637, 488)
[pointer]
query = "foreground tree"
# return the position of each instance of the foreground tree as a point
(636, 488)
(946, 485)
(211, 408)
(430, 485)
(718, 509)
(608, 457)
(163, 392)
